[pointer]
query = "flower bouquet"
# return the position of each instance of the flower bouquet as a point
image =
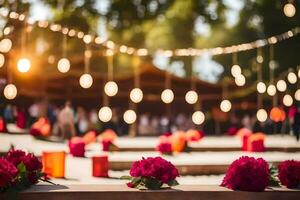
(19, 171)
(247, 174)
(107, 138)
(289, 173)
(152, 173)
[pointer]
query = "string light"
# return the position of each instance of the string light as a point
(105, 114)
(240, 80)
(111, 88)
(191, 97)
(23, 65)
(261, 115)
(129, 116)
(167, 96)
(297, 95)
(261, 87)
(5, 45)
(225, 105)
(236, 70)
(136, 95)
(289, 10)
(281, 86)
(2, 60)
(63, 65)
(198, 117)
(86, 81)
(10, 91)
(287, 100)
(271, 90)
(260, 59)
(292, 78)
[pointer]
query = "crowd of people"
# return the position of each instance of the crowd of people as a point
(68, 121)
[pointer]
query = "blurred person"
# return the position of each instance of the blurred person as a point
(66, 121)
(81, 121)
(296, 124)
(33, 113)
(8, 114)
(94, 120)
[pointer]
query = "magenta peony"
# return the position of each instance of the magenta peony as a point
(164, 148)
(32, 164)
(289, 173)
(8, 173)
(15, 156)
(247, 174)
(152, 173)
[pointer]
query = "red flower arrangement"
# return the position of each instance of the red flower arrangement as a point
(40, 128)
(289, 173)
(247, 174)
(8, 174)
(152, 173)
(107, 138)
(164, 148)
(19, 170)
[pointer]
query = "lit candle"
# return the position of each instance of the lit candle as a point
(100, 166)
(54, 163)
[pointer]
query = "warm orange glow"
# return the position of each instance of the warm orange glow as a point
(54, 163)
(90, 137)
(277, 114)
(178, 141)
(108, 135)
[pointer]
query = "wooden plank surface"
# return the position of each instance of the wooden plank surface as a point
(122, 192)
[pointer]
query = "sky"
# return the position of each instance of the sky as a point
(206, 68)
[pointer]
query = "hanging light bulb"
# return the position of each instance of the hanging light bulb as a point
(10, 91)
(261, 87)
(5, 45)
(23, 65)
(191, 97)
(136, 95)
(129, 116)
(2, 60)
(198, 117)
(271, 90)
(240, 80)
(236, 70)
(86, 81)
(225, 105)
(289, 10)
(111, 88)
(260, 59)
(167, 96)
(262, 115)
(292, 78)
(63, 65)
(281, 86)
(287, 100)
(105, 114)
(297, 95)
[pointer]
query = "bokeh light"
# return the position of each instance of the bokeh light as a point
(105, 114)
(10, 91)
(261, 87)
(136, 95)
(198, 117)
(111, 88)
(225, 105)
(261, 115)
(23, 65)
(191, 97)
(129, 116)
(63, 65)
(167, 96)
(86, 81)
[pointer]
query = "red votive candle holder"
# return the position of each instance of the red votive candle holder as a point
(100, 166)
(77, 147)
(54, 163)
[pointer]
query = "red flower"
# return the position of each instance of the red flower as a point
(289, 173)
(247, 174)
(8, 173)
(157, 168)
(15, 156)
(130, 185)
(164, 148)
(32, 163)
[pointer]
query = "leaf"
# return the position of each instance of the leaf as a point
(135, 181)
(173, 183)
(273, 179)
(22, 168)
(126, 177)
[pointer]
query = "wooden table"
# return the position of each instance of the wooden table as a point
(122, 192)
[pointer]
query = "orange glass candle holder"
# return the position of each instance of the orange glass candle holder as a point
(54, 163)
(100, 166)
